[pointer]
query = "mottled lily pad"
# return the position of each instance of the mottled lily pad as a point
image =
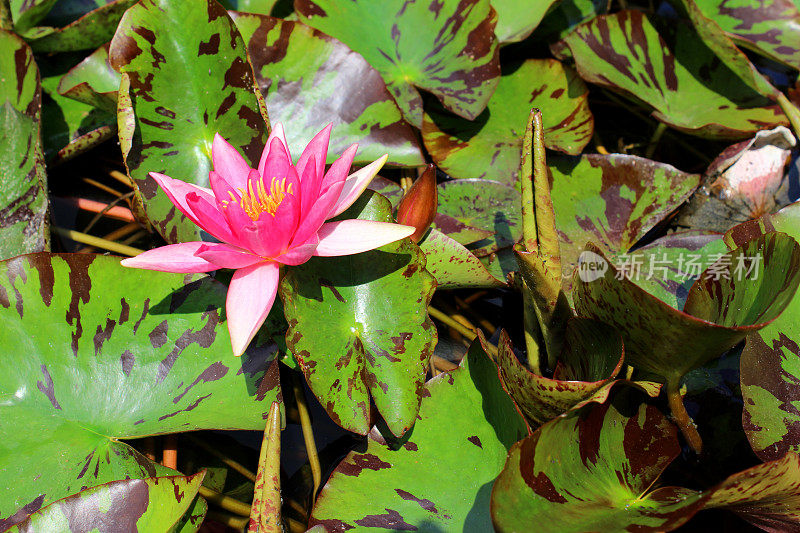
(718, 313)
(27, 13)
(466, 424)
(447, 48)
(594, 471)
(359, 327)
(453, 266)
(23, 180)
(612, 201)
(94, 27)
(667, 267)
(495, 136)
(310, 79)
(149, 504)
(127, 354)
(93, 81)
(770, 364)
(169, 117)
(671, 70)
(592, 357)
(486, 205)
(770, 28)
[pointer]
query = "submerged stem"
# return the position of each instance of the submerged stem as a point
(308, 433)
(681, 417)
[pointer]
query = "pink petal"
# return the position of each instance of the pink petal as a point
(197, 203)
(298, 255)
(276, 145)
(340, 168)
(228, 163)
(250, 298)
(315, 152)
(172, 258)
(355, 236)
(317, 215)
(209, 217)
(355, 184)
(226, 256)
(310, 183)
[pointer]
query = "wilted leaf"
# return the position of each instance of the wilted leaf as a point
(672, 70)
(310, 80)
(495, 137)
(95, 352)
(466, 424)
(359, 327)
(747, 180)
(186, 78)
(447, 48)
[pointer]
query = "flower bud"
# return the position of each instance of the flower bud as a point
(418, 206)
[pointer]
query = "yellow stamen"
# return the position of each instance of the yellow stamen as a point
(256, 200)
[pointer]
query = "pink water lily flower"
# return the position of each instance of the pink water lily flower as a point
(267, 217)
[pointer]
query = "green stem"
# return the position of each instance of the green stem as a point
(681, 417)
(531, 323)
(225, 502)
(224, 458)
(791, 112)
(653, 144)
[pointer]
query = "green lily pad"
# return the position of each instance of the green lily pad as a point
(516, 20)
(453, 266)
(148, 504)
(495, 136)
(309, 80)
(24, 224)
(565, 15)
(667, 267)
(612, 201)
(594, 471)
(23, 180)
(770, 366)
(672, 70)
(126, 353)
(447, 48)
(769, 28)
(27, 13)
(718, 313)
(486, 205)
(466, 424)
(70, 127)
(359, 327)
(450, 226)
(93, 81)
(186, 78)
(92, 29)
